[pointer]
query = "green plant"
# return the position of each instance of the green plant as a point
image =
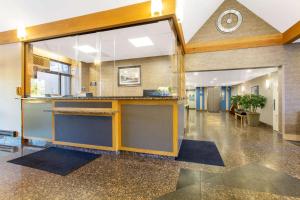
(257, 101)
(252, 102)
(235, 101)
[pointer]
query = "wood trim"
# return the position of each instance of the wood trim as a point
(239, 43)
(84, 146)
(123, 16)
(180, 34)
(292, 34)
(115, 126)
(175, 130)
(291, 137)
(37, 138)
(85, 111)
(147, 151)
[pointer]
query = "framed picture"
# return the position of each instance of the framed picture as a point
(129, 76)
(255, 90)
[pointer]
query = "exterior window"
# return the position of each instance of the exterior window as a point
(56, 81)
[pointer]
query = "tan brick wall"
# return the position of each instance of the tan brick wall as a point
(155, 72)
(252, 25)
(286, 56)
(292, 89)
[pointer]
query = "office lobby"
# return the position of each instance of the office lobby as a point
(160, 99)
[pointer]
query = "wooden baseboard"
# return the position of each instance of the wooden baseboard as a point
(291, 137)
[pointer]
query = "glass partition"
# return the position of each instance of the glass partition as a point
(133, 61)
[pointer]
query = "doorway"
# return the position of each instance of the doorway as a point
(213, 99)
(217, 87)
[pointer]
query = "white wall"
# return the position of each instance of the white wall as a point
(10, 78)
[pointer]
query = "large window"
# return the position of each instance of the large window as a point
(55, 81)
(98, 63)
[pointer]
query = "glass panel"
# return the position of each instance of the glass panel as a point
(65, 85)
(65, 69)
(59, 67)
(130, 61)
(144, 60)
(51, 82)
(55, 66)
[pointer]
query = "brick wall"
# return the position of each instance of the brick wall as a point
(252, 25)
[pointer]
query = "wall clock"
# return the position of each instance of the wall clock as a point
(229, 21)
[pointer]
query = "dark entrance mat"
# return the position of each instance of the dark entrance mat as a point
(200, 152)
(56, 160)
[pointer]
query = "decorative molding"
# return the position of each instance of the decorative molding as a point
(291, 137)
(239, 43)
(292, 34)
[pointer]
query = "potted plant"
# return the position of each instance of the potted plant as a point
(236, 104)
(251, 103)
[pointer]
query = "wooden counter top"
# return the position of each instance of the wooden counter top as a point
(107, 111)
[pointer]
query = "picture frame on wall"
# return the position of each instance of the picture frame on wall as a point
(129, 76)
(255, 90)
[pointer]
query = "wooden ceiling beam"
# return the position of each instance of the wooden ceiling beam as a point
(238, 43)
(292, 34)
(119, 17)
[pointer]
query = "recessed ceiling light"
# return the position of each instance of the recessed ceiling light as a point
(249, 70)
(195, 73)
(215, 79)
(86, 49)
(141, 42)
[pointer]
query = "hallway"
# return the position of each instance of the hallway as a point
(241, 145)
(256, 161)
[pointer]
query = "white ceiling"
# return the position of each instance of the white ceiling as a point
(297, 41)
(224, 78)
(115, 44)
(196, 13)
(281, 14)
(33, 12)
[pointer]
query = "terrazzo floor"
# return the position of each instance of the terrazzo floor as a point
(258, 165)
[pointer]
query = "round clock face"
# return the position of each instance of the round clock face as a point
(229, 21)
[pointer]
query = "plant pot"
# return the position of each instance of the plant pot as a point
(253, 119)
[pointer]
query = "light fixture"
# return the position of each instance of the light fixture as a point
(21, 32)
(141, 42)
(215, 79)
(156, 7)
(268, 84)
(97, 61)
(243, 88)
(179, 10)
(249, 70)
(195, 73)
(86, 49)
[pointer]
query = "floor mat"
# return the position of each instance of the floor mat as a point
(56, 160)
(203, 152)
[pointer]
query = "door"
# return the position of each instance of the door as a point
(213, 99)
(191, 94)
(275, 106)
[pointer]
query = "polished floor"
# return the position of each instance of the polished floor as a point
(258, 165)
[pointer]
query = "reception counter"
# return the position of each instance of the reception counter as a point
(151, 125)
